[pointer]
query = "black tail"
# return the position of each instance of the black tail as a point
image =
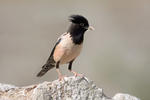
(45, 68)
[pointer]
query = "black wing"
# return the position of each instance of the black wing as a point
(50, 62)
(51, 55)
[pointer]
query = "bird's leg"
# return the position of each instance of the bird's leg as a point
(70, 69)
(61, 77)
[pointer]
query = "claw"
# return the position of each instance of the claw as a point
(61, 77)
(76, 74)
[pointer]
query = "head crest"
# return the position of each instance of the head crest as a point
(78, 19)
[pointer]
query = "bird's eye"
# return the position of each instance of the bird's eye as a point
(81, 24)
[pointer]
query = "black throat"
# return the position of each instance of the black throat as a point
(77, 33)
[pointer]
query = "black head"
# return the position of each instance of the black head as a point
(77, 28)
(79, 20)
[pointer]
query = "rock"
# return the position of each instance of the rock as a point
(72, 88)
(120, 96)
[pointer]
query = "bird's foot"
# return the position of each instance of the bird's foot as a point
(61, 77)
(77, 74)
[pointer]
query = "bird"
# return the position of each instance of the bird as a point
(68, 46)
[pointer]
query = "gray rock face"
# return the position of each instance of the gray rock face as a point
(72, 88)
(120, 96)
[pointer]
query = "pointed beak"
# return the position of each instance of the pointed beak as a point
(91, 28)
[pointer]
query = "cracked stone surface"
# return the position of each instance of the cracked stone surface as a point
(72, 88)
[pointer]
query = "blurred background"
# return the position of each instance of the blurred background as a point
(116, 56)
